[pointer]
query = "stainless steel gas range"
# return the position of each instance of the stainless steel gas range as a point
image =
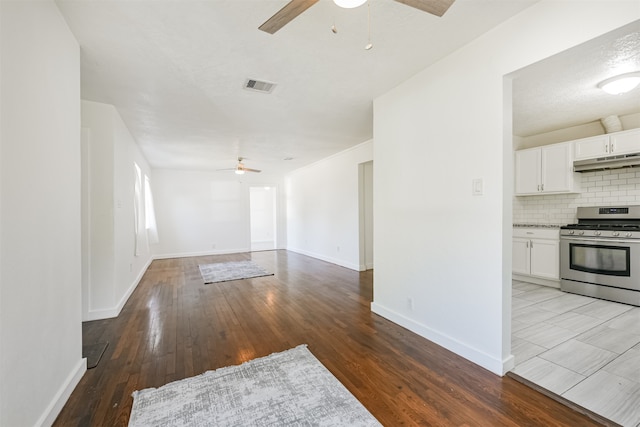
(600, 255)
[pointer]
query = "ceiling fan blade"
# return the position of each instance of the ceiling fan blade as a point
(434, 7)
(251, 170)
(285, 15)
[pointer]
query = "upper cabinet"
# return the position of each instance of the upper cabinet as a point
(545, 170)
(613, 144)
(549, 169)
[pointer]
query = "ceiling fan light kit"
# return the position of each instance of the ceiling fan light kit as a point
(620, 84)
(240, 168)
(369, 45)
(349, 4)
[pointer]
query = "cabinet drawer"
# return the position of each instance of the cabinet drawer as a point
(536, 233)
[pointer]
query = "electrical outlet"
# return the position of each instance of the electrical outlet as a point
(338, 249)
(478, 187)
(410, 303)
(213, 246)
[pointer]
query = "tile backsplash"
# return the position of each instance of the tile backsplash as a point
(601, 188)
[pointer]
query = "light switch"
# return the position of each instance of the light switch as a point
(478, 185)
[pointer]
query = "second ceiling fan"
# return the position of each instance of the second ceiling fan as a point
(295, 7)
(240, 168)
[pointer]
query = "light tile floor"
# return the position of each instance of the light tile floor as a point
(584, 349)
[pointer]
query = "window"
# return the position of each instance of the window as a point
(138, 201)
(145, 228)
(149, 213)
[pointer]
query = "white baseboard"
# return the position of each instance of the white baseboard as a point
(508, 364)
(203, 253)
(336, 261)
(537, 281)
(53, 409)
(109, 313)
(106, 313)
(497, 366)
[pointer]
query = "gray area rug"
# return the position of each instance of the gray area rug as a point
(226, 271)
(291, 388)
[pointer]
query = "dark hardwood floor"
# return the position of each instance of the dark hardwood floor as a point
(174, 326)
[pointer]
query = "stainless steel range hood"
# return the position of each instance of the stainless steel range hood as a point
(603, 163)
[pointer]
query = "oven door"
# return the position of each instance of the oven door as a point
(606, 262)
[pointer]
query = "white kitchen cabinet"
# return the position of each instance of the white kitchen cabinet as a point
(536, 252)
(528, 171)
(591, 148)
(613, 144)
(521, 256)
(625, 142)
(545, 170)
(545, 258)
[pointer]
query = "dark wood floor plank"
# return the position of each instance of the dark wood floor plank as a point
(174, 327)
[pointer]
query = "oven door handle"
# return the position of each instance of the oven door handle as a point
(597, 240)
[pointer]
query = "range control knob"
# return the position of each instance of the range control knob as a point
(572, 232)
(581, 232)
(629, 234)
(597, 233)
(615, 234)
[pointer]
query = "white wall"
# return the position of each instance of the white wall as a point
(201, 213)
(262, 201)
(40, 319)
(2, 390)
(97, 123)
(443, 255)
(129, 267)
(112, 268)
(322, 207)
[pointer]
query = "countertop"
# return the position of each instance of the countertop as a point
(528, 225)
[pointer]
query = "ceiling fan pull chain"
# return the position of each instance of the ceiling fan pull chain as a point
(369, 45)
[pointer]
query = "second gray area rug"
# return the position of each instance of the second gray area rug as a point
(234, 270)
(291, 388)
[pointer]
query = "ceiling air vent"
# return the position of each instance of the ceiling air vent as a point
(259, 86)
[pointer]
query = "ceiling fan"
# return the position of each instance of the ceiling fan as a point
(295, 7)
(240, 168)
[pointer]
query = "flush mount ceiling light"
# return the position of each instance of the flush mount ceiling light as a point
(349, 4)
(620, 84)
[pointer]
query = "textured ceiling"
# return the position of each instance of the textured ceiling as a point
(562, 91)
(175, 71)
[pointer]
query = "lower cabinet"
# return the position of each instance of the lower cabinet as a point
(536, 252)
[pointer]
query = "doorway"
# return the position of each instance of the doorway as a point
(263, 218)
